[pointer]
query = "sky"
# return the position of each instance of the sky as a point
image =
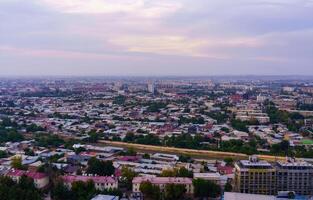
(156, 37)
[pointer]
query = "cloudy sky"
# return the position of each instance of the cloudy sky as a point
(156, 37)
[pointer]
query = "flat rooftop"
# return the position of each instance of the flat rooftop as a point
(248, 164)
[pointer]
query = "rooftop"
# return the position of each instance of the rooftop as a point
(248, 163)
(162, 180)
(96, 179)
(33, 175)
(294, 164)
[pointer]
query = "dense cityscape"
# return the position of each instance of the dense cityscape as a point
(156, 99)
(156, 138)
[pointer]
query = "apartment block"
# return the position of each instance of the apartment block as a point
(294, 176)
(255, 177)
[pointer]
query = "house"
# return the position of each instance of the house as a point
(101, 182)
(105, 197)
(162, 182)
(165, 157)
(41, 180)
(217, 178)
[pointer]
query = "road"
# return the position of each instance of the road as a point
(179, 151)
(190, 152)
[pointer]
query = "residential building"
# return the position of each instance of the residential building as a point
(105, 197)
(101, 182)
(294, 176)
(241, 196)
(162, 182)
(255, 177)
(217, 178)
(41, 180)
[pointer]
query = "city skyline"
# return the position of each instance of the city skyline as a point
(156, 38)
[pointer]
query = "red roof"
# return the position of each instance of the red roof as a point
(225, 169)
(95, 179)
(118, 173)
(129, 158)
(33, 175)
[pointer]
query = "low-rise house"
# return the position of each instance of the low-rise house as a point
(41, 180)
(165, 157)
(101, 182)
(162, 182)
(214, 177)
(105, 197)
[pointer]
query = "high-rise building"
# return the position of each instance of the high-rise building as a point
(151, 88)
(294, 176)
(260, 177)
(255, 177)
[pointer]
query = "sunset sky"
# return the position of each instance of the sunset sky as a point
(156, 37)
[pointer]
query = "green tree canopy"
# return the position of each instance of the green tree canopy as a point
(150, 192)
(174, 191)
(24, 190)
(101, 168)
(205, 188)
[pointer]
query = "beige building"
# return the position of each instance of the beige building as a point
(255, 177)
(101, 182)
(41, 180)
(162, 182)
(217, 178)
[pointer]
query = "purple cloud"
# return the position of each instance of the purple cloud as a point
(156, 37)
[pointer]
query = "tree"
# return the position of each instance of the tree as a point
(130, 137)
(148, 139)
(205, 188)
(128, 176)
(24, 189)
(10, 136)
(229, 161)
(228, 187)
(174, 191)
(282, 148)
(16, 163)
(181, 172)
(185, 141)
(239, 125)
(239, 146)
(130, 152)
(3, 154)
(145, 156)
(34, 128)
(79, 150)
(49, 140)
(60, 191)
(184, 158)
(225, 129)
(120, 100)
(116, 138)
(29, 152)
(101, 168)
(150, 192)
(168, 173)
(83, 190)
(156, 106)
(93, 137)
